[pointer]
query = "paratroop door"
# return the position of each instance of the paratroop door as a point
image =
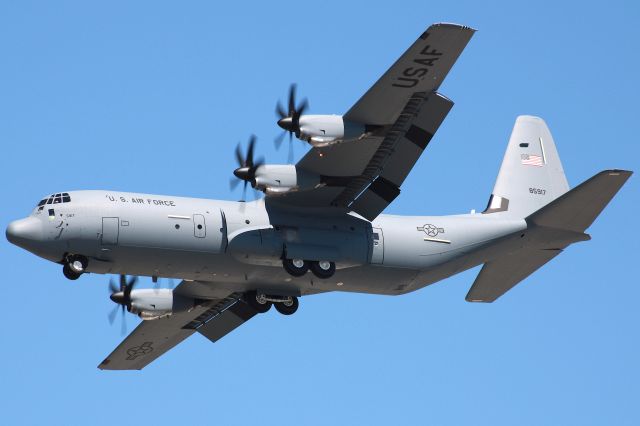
(377, 242)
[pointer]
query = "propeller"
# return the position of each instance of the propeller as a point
(122, 296)
(290, 121)
(247, 167)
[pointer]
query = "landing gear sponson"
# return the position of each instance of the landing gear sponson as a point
(261, 302)
(322, 269)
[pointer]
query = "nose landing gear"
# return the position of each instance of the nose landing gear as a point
(74, 266)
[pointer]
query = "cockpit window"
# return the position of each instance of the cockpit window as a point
(62, 197)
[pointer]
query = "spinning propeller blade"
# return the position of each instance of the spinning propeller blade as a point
(290, 121)
(122, 296)
(246, 170)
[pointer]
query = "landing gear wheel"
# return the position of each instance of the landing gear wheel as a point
(289, 307)
(77, 264)
(70, 273)
(295, 267)
(257, 302)
(323, 269)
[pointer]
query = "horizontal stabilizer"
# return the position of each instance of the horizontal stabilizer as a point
(501, 275)
(577, 209)
(550, 229)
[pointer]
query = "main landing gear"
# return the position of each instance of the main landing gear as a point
(261, 302)
(322, 269)
(74, 266)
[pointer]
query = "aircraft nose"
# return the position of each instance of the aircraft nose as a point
(22, 232)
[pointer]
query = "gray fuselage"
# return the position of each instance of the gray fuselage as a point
(238, 246)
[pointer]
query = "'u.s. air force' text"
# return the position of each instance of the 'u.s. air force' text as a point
(137, 200)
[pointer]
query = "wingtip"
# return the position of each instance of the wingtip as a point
(617, 172)
(453, 25)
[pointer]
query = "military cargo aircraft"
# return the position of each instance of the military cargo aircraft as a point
(319, 226)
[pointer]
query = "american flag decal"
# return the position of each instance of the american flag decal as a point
(531, 160)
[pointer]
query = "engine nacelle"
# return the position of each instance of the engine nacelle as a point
(282, 178)
(323, 130)
(150, 304)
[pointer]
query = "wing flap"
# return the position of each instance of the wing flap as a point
(379, 184)
(227, 321)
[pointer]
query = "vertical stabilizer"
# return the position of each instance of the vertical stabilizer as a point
(531, 174)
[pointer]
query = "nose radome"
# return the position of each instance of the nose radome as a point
(24, 231)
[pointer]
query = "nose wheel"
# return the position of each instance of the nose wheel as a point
(70, 273)
(74, 266)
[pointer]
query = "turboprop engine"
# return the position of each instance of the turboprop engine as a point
(148, 304)
(322, 130)
(281, 178)
(317, 130)
(270, 178)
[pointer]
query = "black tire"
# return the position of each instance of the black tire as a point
(252, 300)
(321, 270)
(77, 258)
(291, 267)
(70, 274)
(288, 310)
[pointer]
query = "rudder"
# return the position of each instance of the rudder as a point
(531, 174)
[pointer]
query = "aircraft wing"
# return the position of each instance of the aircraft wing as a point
(152, 338)
(365, 175)
(422, 68)
(402, 111)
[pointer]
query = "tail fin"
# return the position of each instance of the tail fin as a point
(531, 174)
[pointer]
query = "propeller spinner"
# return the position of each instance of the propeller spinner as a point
(247, 167)
(122, 296)
(290, 121)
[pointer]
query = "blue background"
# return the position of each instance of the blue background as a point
(153, 96)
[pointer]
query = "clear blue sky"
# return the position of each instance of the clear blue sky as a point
(152, 97)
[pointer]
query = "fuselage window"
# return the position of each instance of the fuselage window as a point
(52, 213)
